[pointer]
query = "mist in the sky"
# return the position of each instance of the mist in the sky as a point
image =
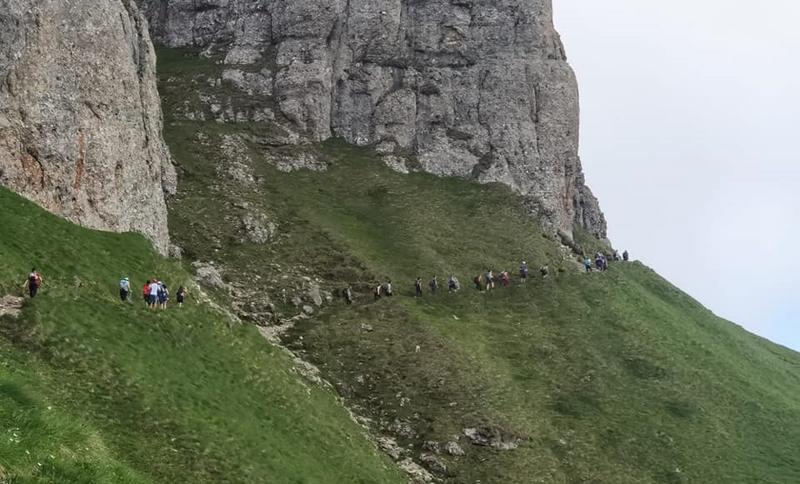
(690, 116)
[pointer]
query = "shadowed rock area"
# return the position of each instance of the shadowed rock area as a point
(471, 88)
(80, 117)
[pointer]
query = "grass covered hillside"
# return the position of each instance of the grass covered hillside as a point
(94, 390)
(613, 377)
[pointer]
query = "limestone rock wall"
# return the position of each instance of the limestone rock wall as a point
(471, 88)
(80, 116)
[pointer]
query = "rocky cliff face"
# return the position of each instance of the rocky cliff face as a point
(80, 118)
(471, 88)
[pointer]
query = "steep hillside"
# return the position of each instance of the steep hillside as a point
(80, 118)
(94, 390)
(613, 377)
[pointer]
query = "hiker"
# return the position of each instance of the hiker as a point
(544, 271)
(146, 292)
(163, 295)
(505, 279)
(477, 281)
(434, 285)
(625, 256)
(418, 287)
(489, 277)
(180, 296)
(598, 260)
(124, 288)
(453, 285)
(387, 288)
(617, 257)
(523, 271)
(377, 291)
(152, 294)
(33, 282)
(348, 295)
(587, 264)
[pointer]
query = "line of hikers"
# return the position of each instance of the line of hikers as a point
(601, 262)
(155, 293)
(486, 281)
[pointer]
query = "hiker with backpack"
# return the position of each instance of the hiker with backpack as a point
(587, 264)
(180, 296)
(387, 288)
(523, 271)
(505, 279)
(152, 294)
(489, 279)
(378, 291)
(33, 282)
(598, 260)
(124, 288)
(477, 281)
(418, 287)
(433, 285)
(625, 256)
(348, 295)
(163, 295)
(453, 285)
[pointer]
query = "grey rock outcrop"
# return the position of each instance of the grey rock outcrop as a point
(80, 116)
(208, 276)
(479, 89)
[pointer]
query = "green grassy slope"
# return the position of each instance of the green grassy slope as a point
(93, 390)
(615, 378)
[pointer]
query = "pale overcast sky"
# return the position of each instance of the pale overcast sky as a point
(690, 115)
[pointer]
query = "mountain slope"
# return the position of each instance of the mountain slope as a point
(94, 390)
(613, 377)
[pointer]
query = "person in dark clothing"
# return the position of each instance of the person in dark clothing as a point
(33, 282)
(625, 256)
(418, 287)
(544, 271)
(124, 288)
(434, 285)
(388, 289)
(348, 295)
(181, 295)
(477, 281)
(453, 285)
(523, 271)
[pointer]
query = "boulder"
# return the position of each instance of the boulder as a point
(207, 275)
(492, 437)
